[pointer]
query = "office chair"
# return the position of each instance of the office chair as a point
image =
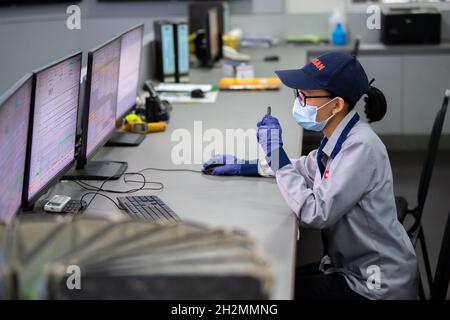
(355, 50)
(442, 274)
(415, 232)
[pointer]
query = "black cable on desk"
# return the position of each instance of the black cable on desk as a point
(175, 170)
(95, 194)
(144, 182)
(97, 190)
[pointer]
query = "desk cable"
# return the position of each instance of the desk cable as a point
(94, 190)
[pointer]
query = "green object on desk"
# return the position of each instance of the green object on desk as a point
(307, 39)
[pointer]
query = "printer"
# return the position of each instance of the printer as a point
(410, 26)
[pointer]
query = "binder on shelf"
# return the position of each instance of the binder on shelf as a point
(182, 52)
(172, 51)
(165, 51)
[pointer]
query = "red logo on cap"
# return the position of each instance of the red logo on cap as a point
(318, 64)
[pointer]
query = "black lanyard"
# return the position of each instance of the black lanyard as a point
(335, 151)
(338, 145)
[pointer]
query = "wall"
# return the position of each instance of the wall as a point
(312, 6)
(33, 36)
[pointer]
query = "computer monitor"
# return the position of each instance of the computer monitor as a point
(53, 126)
(98, 121)
(208, 41)
(197, 11)
(14, 120)
(130, 60)
(213, 35)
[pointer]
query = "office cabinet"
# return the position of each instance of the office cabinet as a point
(388, 74)
(414, 87)
(425, 79)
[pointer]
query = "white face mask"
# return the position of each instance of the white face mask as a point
(306, 116)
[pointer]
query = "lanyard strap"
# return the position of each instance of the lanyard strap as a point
(335, 151)
(338, 145)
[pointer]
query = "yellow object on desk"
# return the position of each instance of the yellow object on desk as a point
(145, 127)
(134, 123)
(131, 118)
(231, 41)
(270, 83)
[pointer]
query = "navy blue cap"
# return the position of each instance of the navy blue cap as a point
(338, 72)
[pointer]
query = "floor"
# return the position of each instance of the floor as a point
(406, 168)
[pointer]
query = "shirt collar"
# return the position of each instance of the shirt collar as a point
(331, 143)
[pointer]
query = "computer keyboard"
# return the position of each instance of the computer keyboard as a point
(150, 208)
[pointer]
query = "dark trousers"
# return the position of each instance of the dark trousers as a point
(311, 284)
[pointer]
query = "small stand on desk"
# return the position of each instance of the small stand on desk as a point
(125, 139)
(98, 170)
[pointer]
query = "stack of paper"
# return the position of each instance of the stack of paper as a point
(47, 257)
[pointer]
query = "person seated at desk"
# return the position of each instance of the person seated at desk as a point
(344, 188)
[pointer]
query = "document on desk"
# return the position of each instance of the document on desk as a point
(181, 92)
(183, 87)
(185, 97)
(130, 259)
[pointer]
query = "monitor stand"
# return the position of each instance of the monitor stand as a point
(125, 139)
(98, 170)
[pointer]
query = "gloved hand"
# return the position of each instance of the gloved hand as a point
(269, 134)
(232, 166)
(269, 137)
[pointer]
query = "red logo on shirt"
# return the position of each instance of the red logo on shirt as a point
(326, 173)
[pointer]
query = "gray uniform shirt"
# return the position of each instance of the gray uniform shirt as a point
(354, 204)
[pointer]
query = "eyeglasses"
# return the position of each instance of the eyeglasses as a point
(302, 97)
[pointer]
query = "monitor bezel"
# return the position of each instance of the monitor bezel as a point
(83, 157)
(5, 97)
(139, 69)
(27, 202)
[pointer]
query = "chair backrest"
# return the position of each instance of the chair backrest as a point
(442, 275)
(430, 157)
(355, 50)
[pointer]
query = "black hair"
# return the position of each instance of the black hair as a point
(375, 107)
(375, 103)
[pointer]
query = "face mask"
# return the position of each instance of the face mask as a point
(306, 116)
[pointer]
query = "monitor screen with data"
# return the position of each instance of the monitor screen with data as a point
(54, 123)
(130, 58)
(101, 99)
(14, 118)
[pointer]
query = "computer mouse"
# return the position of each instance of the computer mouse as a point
(197, 93)
(272, 58)
(209, 169)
